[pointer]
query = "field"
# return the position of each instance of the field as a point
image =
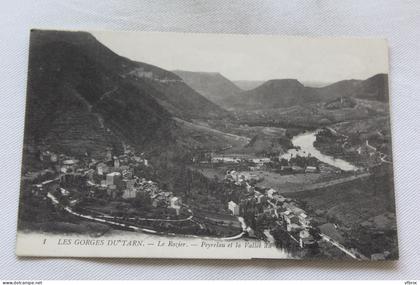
(284, 183)
(363, 211)
(291, 182)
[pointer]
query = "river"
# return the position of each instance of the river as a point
(305, 141)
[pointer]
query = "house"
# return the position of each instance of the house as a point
(304, 220)
(167, 195)
(286, 169)
(150, 187)
(224, 159)
(112, 191)
(293, 227)
(271, 193)
(69, 164)
(311, 169)
(113, 178)
(116, 162)
(64, 176)
(102, 168)
(279, 198)
(129, 193)
(64, 192)
(251, 176)
(297, 169)
(232, 174)
(128, 183)
(45, 155)
(305, 238)
(250, 189)
(251, 232)
(270, 211)
(261, 160)
(136, 158)
(127, 173)
(294, 209)
(175, 202)
(53, 157)
(108, 155)
(291, 218)
(259, 197)
(234, 208)
(90, 174)
(123, 159)
(158, 201)
(140, 72)
(37, 190)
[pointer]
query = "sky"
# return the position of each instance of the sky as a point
(254, 57)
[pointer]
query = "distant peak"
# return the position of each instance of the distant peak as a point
(56, 35)
(378, 76)
(283, 82)
(197, 72)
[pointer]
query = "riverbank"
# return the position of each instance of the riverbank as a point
(304, 146)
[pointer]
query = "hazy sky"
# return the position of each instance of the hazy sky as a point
(250, 57)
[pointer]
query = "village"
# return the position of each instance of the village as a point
(275, 211)
(89, 181)
(98, 188)
(267, 211)
(85, 182)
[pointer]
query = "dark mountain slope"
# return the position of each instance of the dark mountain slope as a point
(276, 93)
(211, 85)
(283, 93)
(373, 88)
(78, 102)
(182, 101)
(174, 93)
(82, 97)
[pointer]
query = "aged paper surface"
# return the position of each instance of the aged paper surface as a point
(206, 146)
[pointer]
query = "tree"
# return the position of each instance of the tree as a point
(142, 200)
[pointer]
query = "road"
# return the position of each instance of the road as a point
(341, 247)
(238, 236)
(55, 201)
(145, 219)
(88, 217)
(333, 182)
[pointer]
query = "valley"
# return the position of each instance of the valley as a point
(115, 144)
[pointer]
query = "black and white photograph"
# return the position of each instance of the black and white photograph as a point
(182, 145)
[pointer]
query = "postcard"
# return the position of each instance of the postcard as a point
(177, 145)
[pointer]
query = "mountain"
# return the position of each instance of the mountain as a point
(211, 85)
(82, 97)
(283, 93)
(276, 93)
(248, 84)
(373, 88)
